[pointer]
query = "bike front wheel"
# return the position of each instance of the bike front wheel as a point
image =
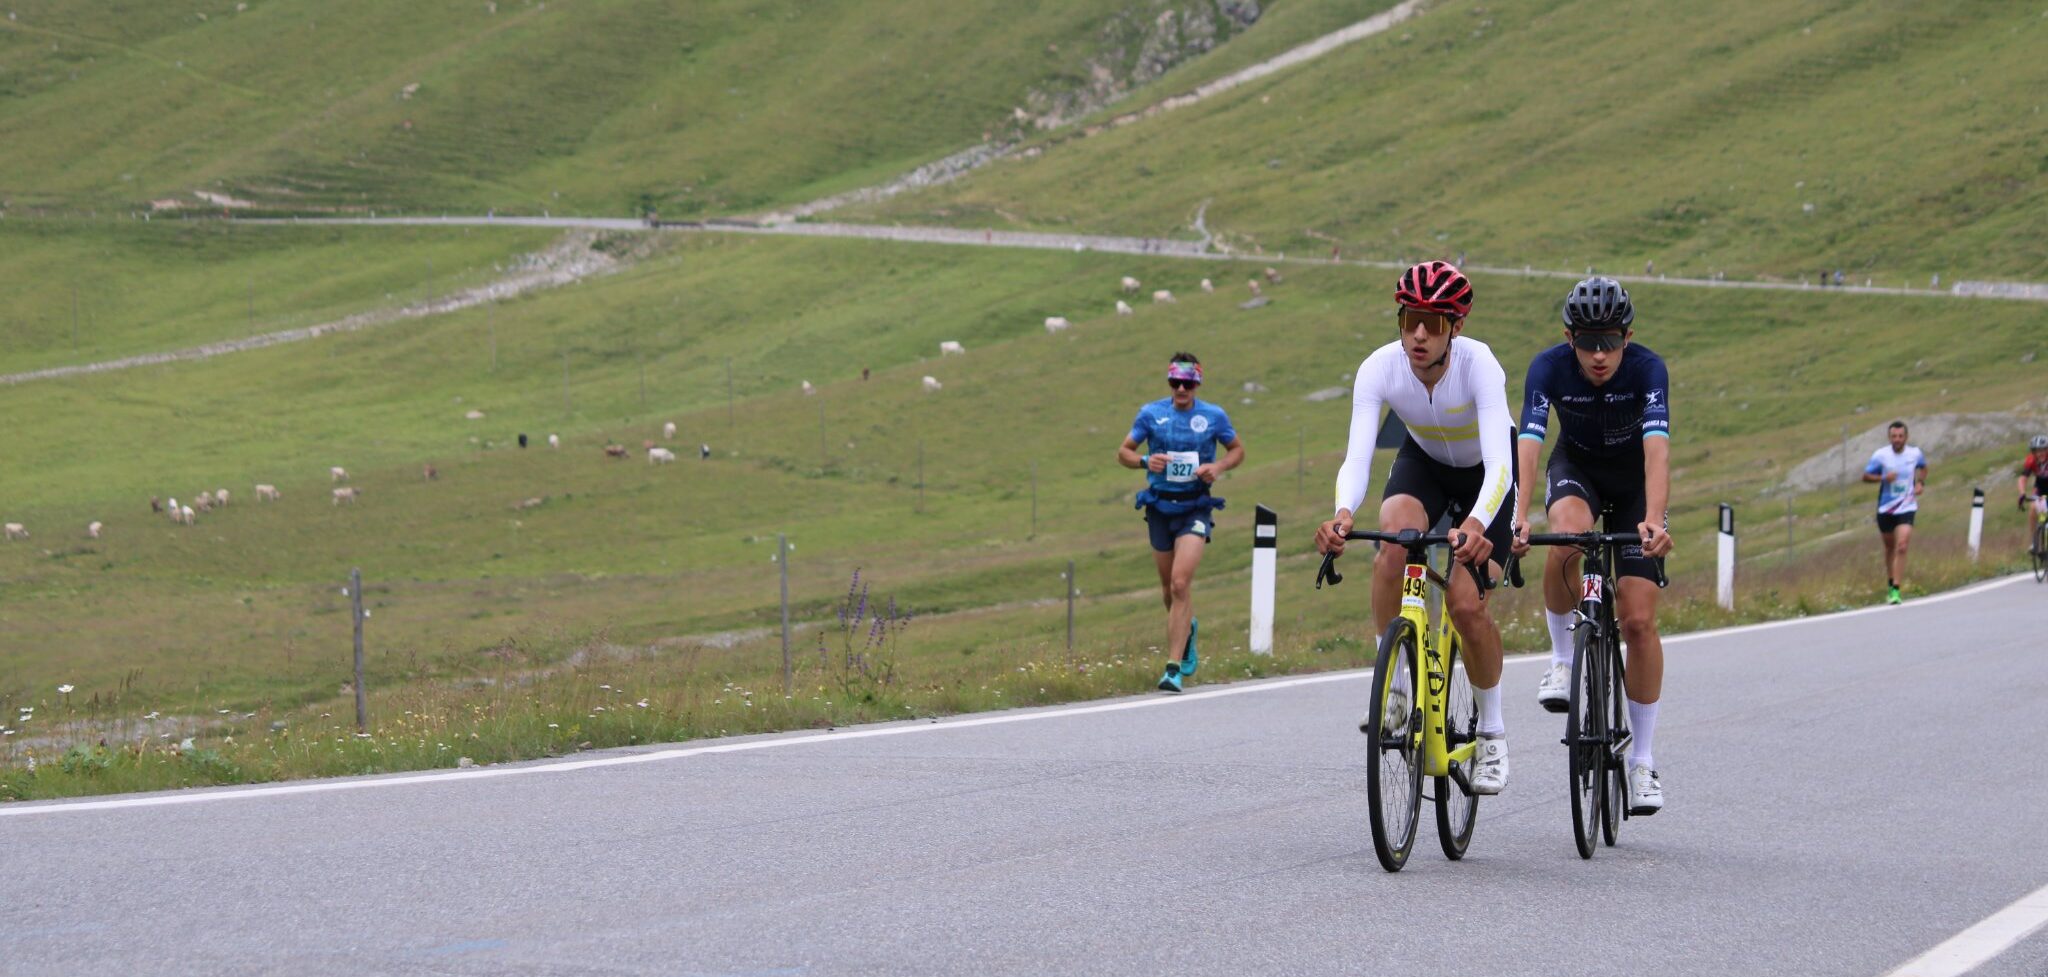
(1393, 733)
(1585, 738)
(2040, 551)
(1456, 808)
(1615, 801)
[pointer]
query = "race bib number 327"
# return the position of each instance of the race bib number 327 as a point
(1180, 465)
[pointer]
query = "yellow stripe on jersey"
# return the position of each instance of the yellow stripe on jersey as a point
(1463, 432)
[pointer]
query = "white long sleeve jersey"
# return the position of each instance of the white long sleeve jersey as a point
(1462, 422)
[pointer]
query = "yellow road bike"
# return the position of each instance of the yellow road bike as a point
(1422, 721)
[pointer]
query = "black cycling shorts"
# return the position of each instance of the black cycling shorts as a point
(1612, 486)
(1446, 489)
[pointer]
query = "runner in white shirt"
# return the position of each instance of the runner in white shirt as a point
(1901, 473)
(1457, 458)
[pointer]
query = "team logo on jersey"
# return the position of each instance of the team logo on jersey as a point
(1198, 424)
(1653, 399)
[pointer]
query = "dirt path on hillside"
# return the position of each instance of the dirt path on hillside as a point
(568, 260)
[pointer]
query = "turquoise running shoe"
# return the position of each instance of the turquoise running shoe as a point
(1189, 659)
(1171, 682)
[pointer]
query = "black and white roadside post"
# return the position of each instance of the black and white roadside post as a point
(1070, 605)
(782, 564)
(1265, 552)
(1976, 521)
(356, 614)
(1724, 577)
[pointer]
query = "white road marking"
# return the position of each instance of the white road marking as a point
(1967, 950)
(901, 729)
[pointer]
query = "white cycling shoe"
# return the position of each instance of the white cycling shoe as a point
(1489, 772)
(1394, 721)
(1645, 793)
(1554, 692)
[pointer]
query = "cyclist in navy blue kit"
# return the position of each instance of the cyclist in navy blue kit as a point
(1610, 398)
(1181, 435)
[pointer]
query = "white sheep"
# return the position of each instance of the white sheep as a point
(1273, 276)
(1208, 286)
(932, 384)
(220, 497)
(92, 530)
(172, 510)
(660, 456)
(1162, 297)
(1056, 323)
(185, 515)
(554, 440)
(668, 431)
(1123, 307)
(952, 348)
(1253, 284)
(267, 493)
(808, 389)
(338, 473)
(475, 415)
(1131, 284)
(204, 502)
(16, 530)
(347, 494)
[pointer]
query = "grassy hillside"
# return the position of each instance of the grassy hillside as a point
(164, 285)
(1760, 139)
(621, 562)
(598, 106)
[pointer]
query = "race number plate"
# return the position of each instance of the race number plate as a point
(1180, 465)
(1591, 590)
(1414, 588)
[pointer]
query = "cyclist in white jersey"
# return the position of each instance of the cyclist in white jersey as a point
(1457, 459)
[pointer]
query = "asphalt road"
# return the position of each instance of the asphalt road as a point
(1844, 793)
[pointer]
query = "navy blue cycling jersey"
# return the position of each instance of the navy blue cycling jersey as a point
(1606, 421)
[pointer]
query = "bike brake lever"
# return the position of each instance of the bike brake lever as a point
(1328, 572)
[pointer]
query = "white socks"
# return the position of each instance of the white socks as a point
(1488, 701)
(1560, 636)
(1642, 724)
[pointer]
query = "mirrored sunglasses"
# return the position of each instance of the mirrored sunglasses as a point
(1435, 322)
(1599, 342)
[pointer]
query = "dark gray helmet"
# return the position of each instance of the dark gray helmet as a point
(1598, 303)
(2040, 441)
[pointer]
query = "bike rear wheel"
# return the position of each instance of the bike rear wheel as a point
(1456, 808)
(1393, 773)
(1585, 738)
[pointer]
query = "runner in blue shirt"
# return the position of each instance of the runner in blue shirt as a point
(1901, 473)
(1611, 400)
(1180, 461)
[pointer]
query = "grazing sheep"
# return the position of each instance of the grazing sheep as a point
(347, 494)
(660, 456)
(554, 440)
(932, 384)
(92, 530)
(1253, 284)
(185, 515)
(1123, 307)
(951, 348)
(1131, 284)
(204, 502)
(475, 415)
(1273, 276)
(428, 472)
(338, 474)
(267, 493)
(1208, 286)
(615, 451)
(155, 505)
(808, 389)
(668, 431)
(172, 510)
(15, 530)
(220, 497)
(703, 452)
(1162, 297)
(1056, 323)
